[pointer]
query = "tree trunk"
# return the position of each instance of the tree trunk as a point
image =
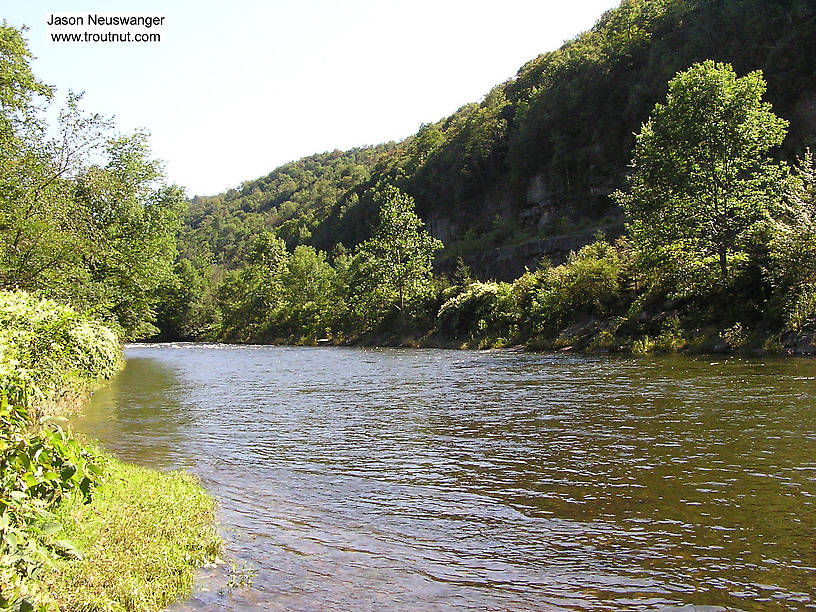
(723, 265)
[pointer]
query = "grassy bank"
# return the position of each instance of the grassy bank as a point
(142, 537)
(80, 530)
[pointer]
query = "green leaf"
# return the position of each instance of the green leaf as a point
(69, 548)
(51, 528)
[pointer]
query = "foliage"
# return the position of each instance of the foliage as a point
(294, 199)
(714, 225)
(47, 520)
(313, 304)
(565, 120)
(19, 83)
(250, 296)
(39, 466)
(132, 222)
(702, 183)
(793, 246)
(735, 336)
(589, 283)
(188, 309)
(44, 348)
(397, 259)
(54, 346)
(479, 310)
(84, 215)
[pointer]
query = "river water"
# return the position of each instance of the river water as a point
(371, 479)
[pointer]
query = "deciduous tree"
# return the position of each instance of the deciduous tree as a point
(702, 177)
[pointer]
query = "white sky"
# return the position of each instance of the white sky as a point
(237, 88)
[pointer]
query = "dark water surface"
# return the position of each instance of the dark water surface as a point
(358, 479)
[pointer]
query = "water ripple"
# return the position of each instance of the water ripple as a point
(363, 479)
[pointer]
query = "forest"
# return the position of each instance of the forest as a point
(668, 146)
(394, 243)
(544, 159)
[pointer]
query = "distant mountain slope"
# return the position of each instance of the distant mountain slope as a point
(292, 199)
(540, 154)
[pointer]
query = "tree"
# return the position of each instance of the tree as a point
(128, 225)
(702, 180)
(394, 266)
(85, 216)
(310, 298)
(251, 297)
(793, 245)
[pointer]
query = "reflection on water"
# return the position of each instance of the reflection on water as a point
(414, 479)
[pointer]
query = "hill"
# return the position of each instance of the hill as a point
(528, 170)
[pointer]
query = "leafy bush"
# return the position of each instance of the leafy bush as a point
(53, 344)
(793, 247)
(671, 338)
(801, 306)
(589, 283)
(44, 348)
(39, 465)
(479, 310)
(735, 336)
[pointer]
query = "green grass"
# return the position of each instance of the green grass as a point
(142, 538)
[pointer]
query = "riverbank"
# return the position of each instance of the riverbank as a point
(143, 537)
(79, 529)
(657, 332)
(598, 301)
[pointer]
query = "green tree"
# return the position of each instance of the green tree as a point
(310, 296)
(251, 298)
(702, 180)
(398, 258)
(793, 245)
(18, 85)
(129, 221)
(84, 216)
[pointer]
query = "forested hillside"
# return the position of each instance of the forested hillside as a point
(540, 155)
(294, 199)
(648, 184)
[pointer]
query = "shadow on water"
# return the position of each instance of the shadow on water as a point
(418, 479)
(139, 415)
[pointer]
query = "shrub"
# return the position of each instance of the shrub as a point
(45, 347)
(671, 338)
(57, 346)
(801, 306)
(735, 336)
(589, 283)
(480, 310)
(39, 465)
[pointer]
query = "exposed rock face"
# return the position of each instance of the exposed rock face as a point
(539, 207)
(800, 342)
(508, 263)
(442, 228)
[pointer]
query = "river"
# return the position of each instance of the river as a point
(370, 479)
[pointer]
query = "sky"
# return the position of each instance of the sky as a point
(235, 89)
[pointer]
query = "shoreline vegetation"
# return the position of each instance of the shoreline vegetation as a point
(719, 255)
(680, 128)
(79, 529)
(718, 207)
